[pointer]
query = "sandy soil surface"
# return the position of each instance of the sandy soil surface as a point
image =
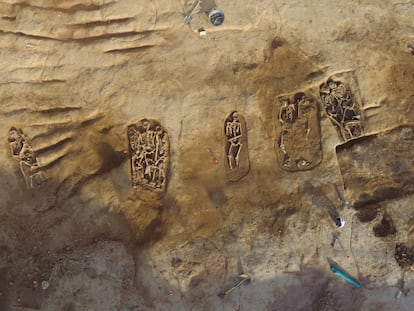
(76, 235)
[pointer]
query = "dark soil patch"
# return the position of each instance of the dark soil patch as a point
(403, 255)
(217, 197)
(385, 228)
(367, 214)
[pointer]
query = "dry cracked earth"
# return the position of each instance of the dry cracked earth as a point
(149, 165)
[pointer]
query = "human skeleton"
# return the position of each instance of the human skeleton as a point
(341, 109)
(287, 112)
(233, 132)
(149, 148)
(21, 150)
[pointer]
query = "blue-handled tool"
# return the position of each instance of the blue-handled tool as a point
(345, 276)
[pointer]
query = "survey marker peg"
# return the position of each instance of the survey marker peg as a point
(188, 18)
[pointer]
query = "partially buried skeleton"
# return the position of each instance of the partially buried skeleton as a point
(342, 109)
(149, 148)
(297, 132)
(22, 151)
